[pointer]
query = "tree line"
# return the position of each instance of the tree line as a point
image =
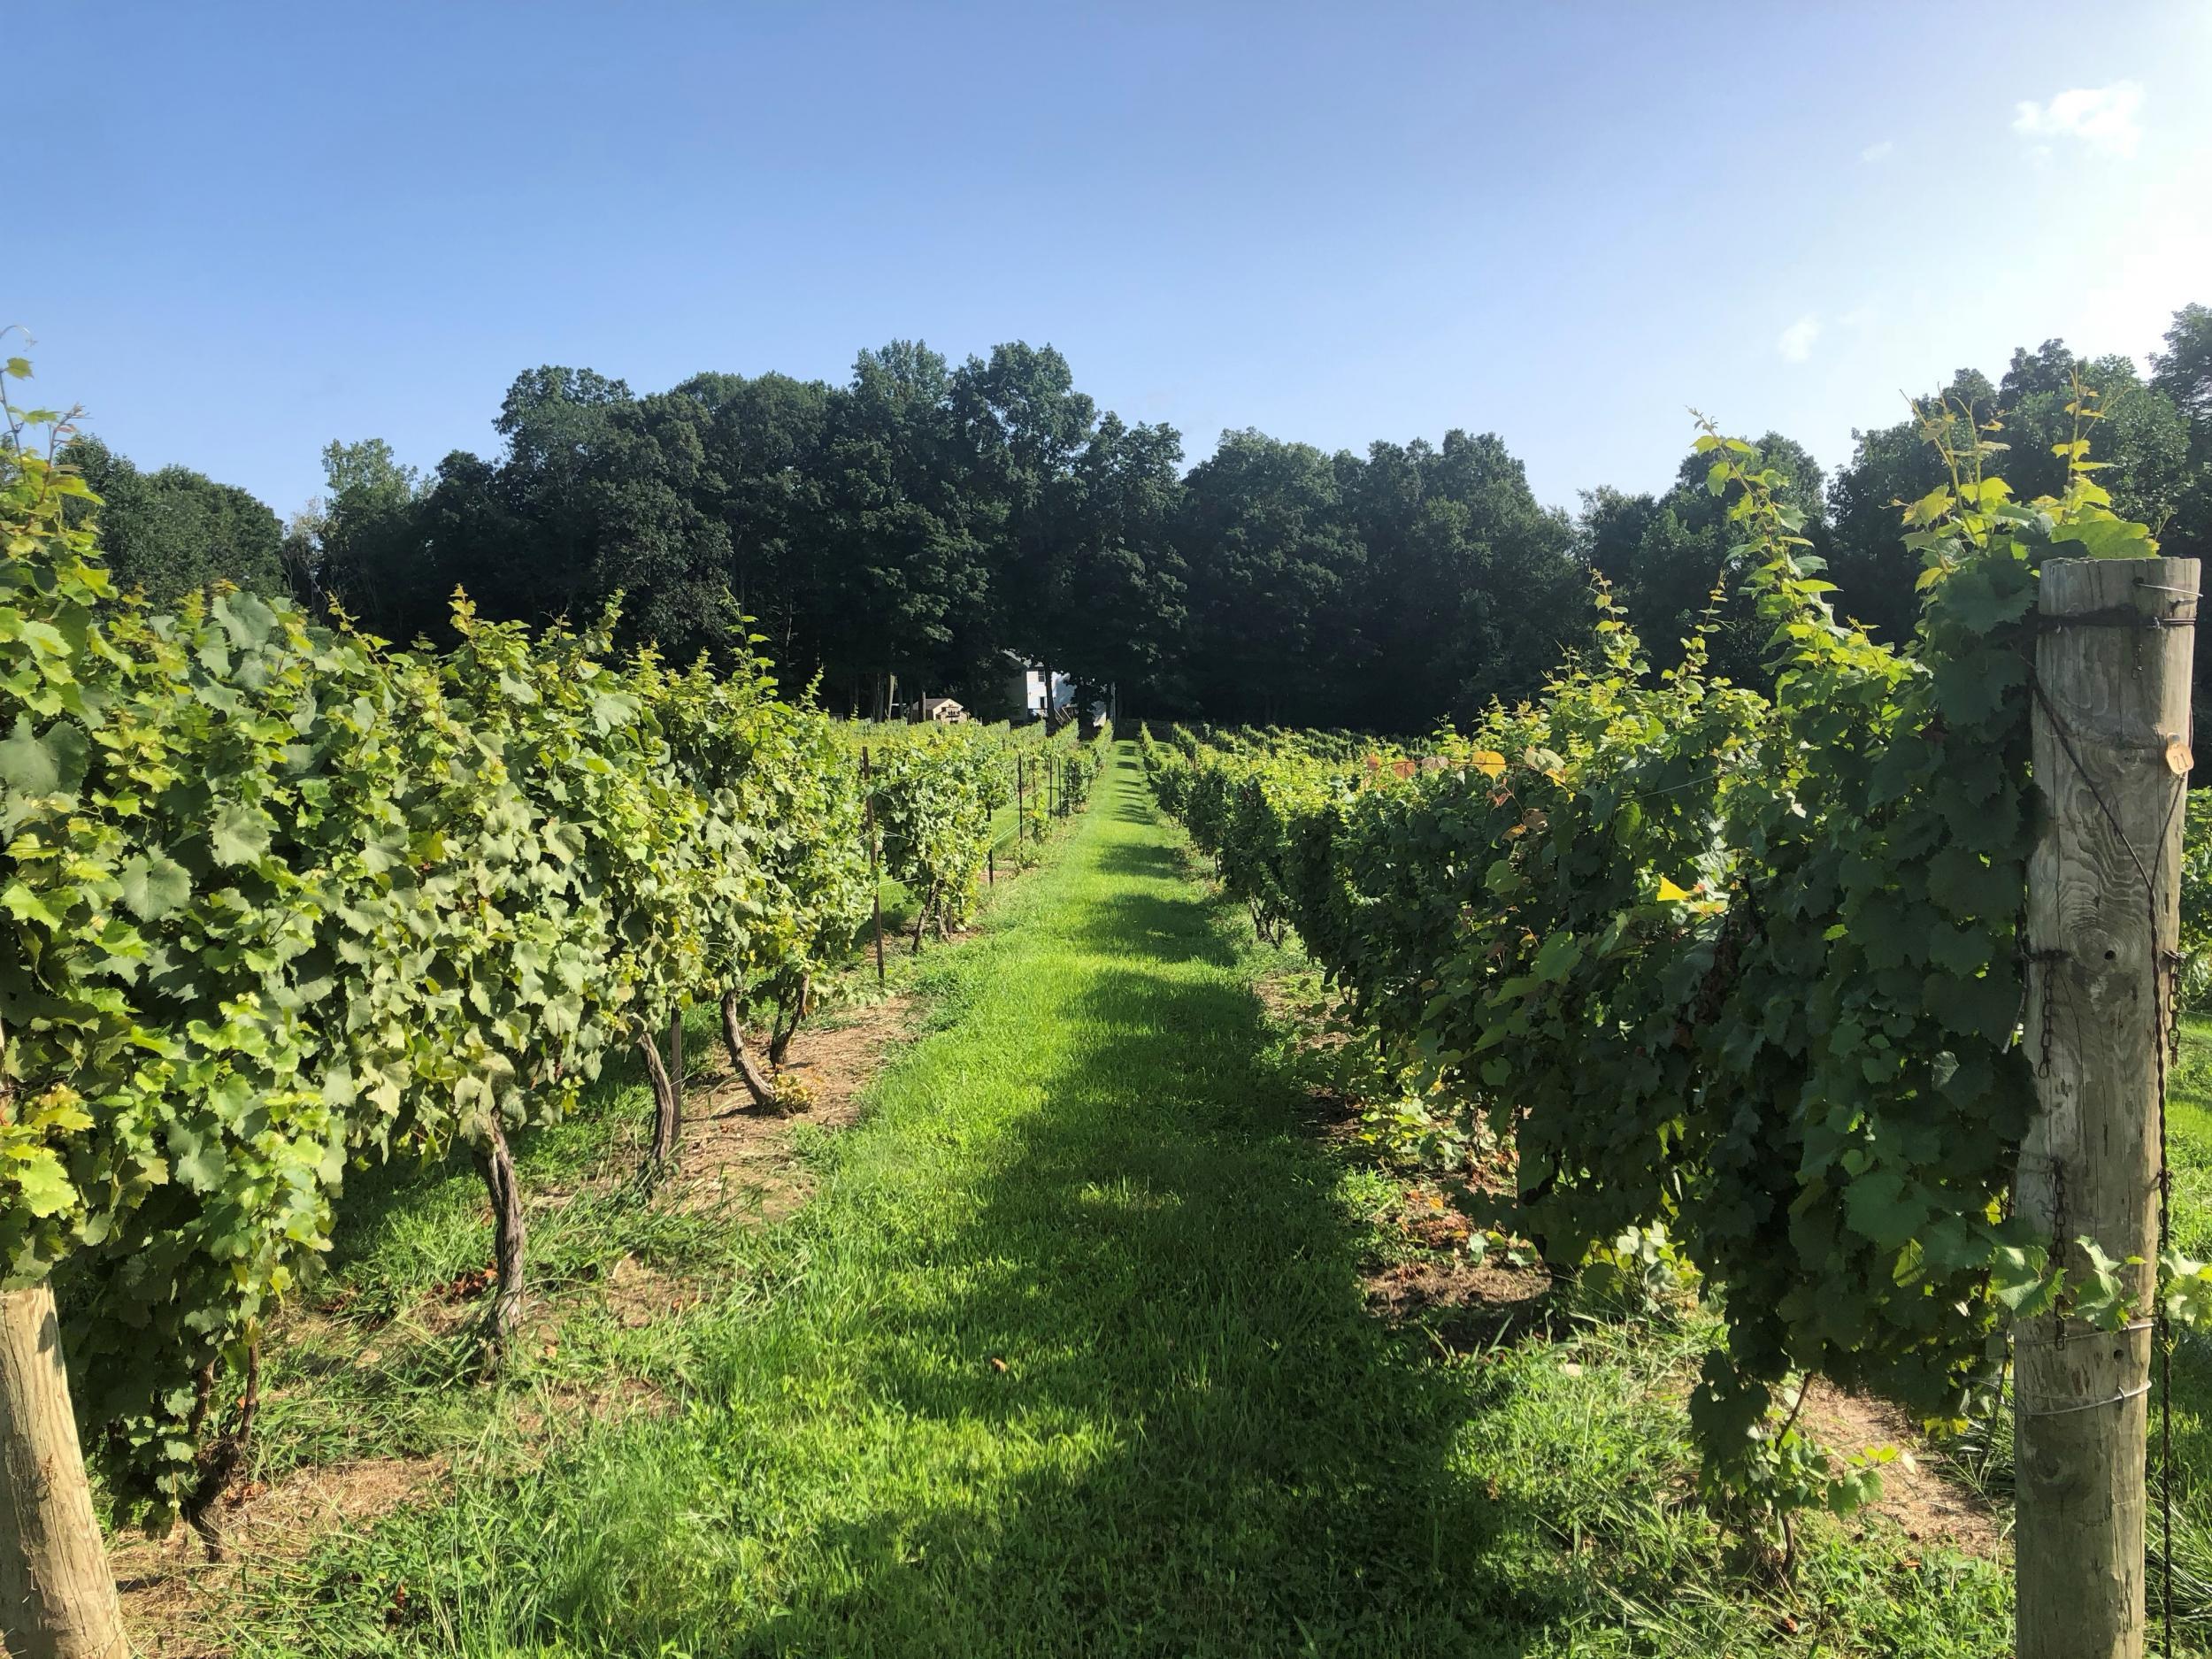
(932, 524)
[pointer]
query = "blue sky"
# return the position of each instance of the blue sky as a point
(263, 228)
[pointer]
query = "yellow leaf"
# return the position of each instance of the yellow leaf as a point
(1929, 507)
(1488, 762)
(1669, 893)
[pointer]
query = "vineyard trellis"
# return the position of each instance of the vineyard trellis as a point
(1749, 970)
(280, 899)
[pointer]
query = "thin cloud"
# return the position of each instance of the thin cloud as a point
(1796, 344)
(1879, 152)
(2106, 118)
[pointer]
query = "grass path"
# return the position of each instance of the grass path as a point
(1068, 1355)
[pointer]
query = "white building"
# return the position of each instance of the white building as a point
(1029, 691)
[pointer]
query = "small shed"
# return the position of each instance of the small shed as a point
(944, 711)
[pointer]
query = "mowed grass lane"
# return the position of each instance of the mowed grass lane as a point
(1068, 1355)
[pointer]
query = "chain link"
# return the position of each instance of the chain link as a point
(2048, 960)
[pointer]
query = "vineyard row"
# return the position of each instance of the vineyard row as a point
(1735, 976)
(279, 900)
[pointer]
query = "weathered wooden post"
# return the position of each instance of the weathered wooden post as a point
(57, 1596)
(2111, 752)
(875, 880)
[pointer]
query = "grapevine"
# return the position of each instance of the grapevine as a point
(279, 901)
(1746, 968)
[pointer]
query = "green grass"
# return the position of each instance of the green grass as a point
(387, 1360)
(1070, 1354)
(2189, 1157)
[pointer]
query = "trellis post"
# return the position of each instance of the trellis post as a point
(59, 1595)
(2111, 753)
(875, 879)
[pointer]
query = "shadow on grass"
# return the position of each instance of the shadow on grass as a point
(384, 1200)
(1164, 1271)
(412, 1192)
(1142, 858)
(1141, 924)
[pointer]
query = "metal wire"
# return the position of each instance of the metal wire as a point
(2143, 1388)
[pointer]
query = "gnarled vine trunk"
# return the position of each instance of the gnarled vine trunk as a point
(510, 1233)
(787, 1018)
(219, 1462)
(668, 1104)
(762, 1091)
(676, 1056)
(57, 1596)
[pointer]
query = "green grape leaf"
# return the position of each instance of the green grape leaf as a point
(238, 835)
(196, 1159)
(153, 885)
(43, 1186)
(49, 764)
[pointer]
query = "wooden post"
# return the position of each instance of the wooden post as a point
(57, 1596)
(875, 881)
(1021, 815)
(2111, 735)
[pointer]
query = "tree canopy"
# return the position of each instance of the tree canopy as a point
(936, 526)
(171, 530)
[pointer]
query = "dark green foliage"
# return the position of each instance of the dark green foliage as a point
(905, 544)
(942, 526)
(1386, 593)
(172, 530)
(764, 438)
(1275, 570)
(938, 526)
(1127, 585)
(361, 544)
(1470, 591)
